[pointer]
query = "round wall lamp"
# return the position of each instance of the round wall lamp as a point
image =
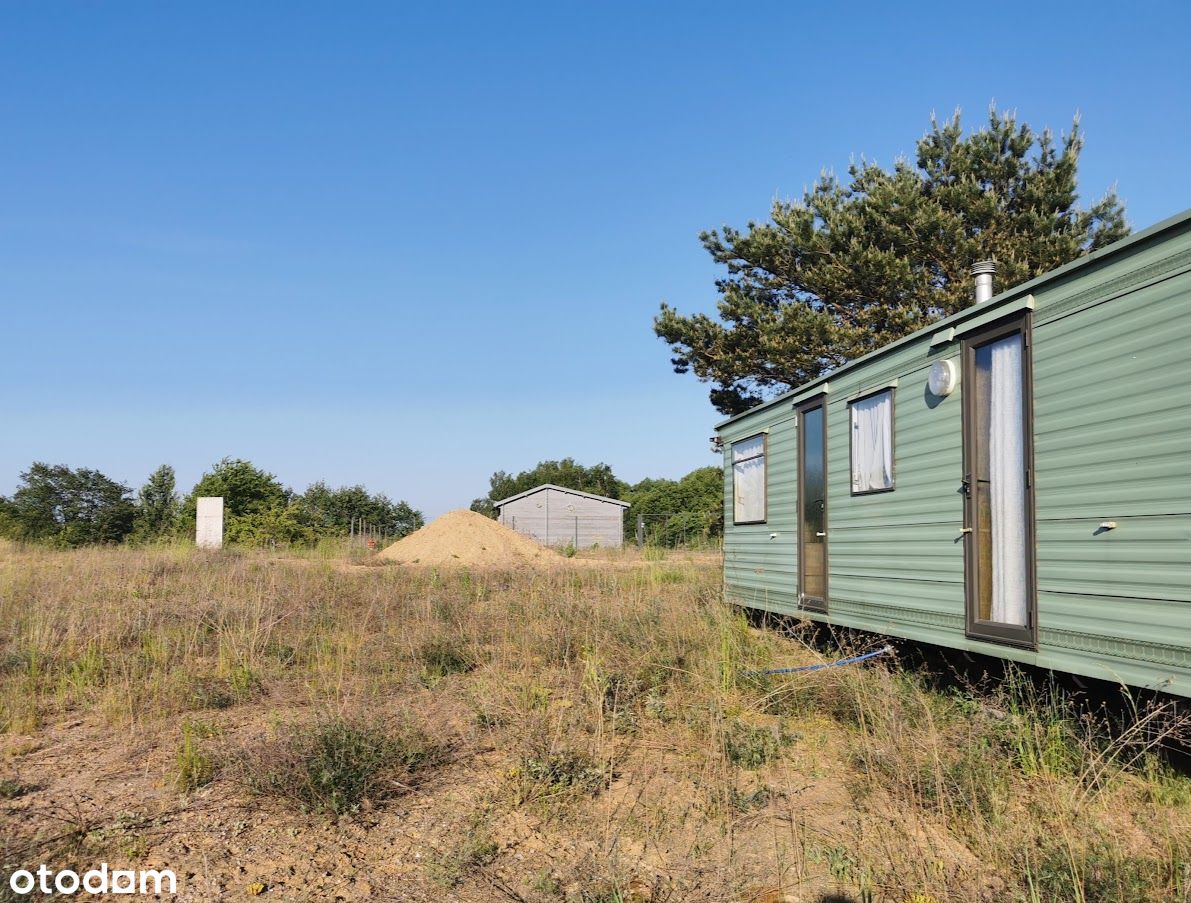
(944, 377)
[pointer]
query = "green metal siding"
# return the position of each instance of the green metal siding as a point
(756, 562)
(1112, 425)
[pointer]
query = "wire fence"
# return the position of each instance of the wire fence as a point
(679, 529)
(369, 535)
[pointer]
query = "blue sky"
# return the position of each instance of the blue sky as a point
(409, 245)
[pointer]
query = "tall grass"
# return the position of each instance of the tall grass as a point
(581, 681)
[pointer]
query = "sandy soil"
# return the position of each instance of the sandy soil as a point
(466, 539)
(225, 844)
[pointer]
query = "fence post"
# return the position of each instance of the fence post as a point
(640, 531)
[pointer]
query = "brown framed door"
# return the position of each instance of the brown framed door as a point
(998, 486)
(812, 505)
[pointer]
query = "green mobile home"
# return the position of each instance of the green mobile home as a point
(1014, 480)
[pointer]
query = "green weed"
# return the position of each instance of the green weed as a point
(751, 747)
(194, 767)
(477, 847)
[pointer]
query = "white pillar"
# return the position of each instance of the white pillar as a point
(208, 529)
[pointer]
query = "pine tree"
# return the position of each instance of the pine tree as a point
(854, 266)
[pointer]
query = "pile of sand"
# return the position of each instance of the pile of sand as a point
(467, 539)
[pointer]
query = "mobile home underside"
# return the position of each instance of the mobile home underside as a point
(1037, 509)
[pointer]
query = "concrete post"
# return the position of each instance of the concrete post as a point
(208, 528)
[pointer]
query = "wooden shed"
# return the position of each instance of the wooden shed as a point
(1014, 480)
(557, 516)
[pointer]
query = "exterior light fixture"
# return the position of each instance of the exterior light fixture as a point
(943, 378)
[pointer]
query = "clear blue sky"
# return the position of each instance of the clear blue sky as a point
(409, 245)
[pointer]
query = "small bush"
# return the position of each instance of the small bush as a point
(751, 747)
(335, 766)
(560, 772)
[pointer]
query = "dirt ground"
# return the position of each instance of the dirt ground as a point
(595, 743)
(224, 843)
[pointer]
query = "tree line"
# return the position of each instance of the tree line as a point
(58, 506)
(676, 511)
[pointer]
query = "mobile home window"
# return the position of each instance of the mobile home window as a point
(872, 443)
(748, 480)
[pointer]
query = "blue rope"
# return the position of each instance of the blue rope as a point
(843, 661)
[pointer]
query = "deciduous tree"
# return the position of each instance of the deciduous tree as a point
(333, 510)
(597, 479)
(68, 507)
(257, 509)
(689, 510)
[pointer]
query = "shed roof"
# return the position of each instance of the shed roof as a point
(1016, 291)
(586, 495)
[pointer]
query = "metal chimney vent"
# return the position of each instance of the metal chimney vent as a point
(983, 271)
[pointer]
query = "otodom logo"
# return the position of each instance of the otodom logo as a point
(101, 880)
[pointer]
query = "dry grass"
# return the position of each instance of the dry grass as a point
(325, 729)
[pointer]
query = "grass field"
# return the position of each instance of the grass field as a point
(318, 728)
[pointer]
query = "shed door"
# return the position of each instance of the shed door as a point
(998, 486)
(812, 505)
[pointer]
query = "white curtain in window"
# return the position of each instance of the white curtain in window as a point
(872, 443)
(748, 479)
(1007, 483)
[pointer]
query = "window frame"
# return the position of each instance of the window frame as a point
(892, 390)
(764, 456)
